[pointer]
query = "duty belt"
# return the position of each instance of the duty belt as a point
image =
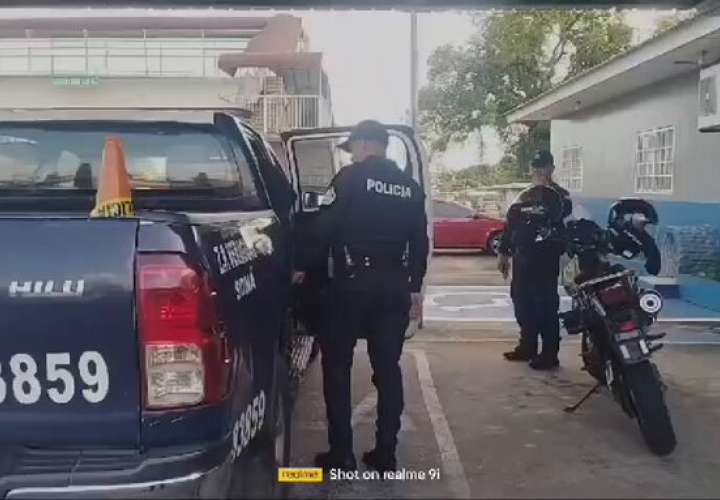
(355, 259)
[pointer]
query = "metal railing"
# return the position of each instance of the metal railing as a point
(143, 56)
(273, 114)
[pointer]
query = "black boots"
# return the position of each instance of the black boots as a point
(329, 460)
(380, 460)
(544, 363)
(520, 353)
(537, 362)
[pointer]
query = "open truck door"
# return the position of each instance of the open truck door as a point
(314, 158)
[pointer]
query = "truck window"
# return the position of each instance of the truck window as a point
(318, 160)
(277, 184)
(161, 157)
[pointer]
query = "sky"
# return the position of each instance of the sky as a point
(367, 54)
(367, 59)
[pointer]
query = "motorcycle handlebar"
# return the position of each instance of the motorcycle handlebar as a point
(627, 243)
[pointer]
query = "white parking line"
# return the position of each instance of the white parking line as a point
(689, 320)
(472, 319)
(452, 466)
(484, 340)
(505, 319)
(492, 303)
(366, 406)
(364, 413)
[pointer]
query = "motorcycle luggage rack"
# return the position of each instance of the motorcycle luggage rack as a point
(603, 279)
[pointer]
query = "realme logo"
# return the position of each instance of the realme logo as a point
(300, 475)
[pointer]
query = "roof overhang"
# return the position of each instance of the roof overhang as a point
(154, 22)
(190, 114)
(672, 54)
(361, 4)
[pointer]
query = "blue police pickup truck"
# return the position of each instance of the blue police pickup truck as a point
(152, 354)
(144, 355)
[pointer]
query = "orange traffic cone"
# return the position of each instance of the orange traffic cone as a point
(114, 197)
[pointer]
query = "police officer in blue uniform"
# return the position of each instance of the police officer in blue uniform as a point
(373, 220)
(536, 266)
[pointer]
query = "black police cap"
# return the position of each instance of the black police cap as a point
(367, 130)
(542, 159)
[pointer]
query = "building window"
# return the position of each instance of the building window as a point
(570, 174)
(654, 161)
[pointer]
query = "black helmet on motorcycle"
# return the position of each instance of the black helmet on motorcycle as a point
(627, 236)
(583, 235)
(631, 213)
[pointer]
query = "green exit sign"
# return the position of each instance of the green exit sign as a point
(76, 81)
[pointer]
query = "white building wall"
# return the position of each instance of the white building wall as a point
(49, 92)
(608, 133)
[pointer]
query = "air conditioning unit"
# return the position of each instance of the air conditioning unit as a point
(708, 110)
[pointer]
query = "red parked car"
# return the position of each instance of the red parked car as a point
(459, 227)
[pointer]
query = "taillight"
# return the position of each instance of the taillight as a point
(185, 351)
(627, 330)
(628, 326)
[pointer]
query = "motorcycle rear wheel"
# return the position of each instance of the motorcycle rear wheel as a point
(651, 411)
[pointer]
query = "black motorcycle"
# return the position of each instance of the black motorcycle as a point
(614, 315)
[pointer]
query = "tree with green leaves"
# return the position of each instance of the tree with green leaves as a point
(672, 19)
(514, 57)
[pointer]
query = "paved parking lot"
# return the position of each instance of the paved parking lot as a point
(478, 426)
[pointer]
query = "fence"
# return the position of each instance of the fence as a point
(273, 114)
(192, 54)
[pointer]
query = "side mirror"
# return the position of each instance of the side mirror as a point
(476, 216)
(311, 201)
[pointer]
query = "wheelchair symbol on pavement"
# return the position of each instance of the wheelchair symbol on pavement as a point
(467, 300)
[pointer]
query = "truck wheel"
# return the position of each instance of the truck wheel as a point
(299, 357)
(646, 393)
(314, 351)
(282, 442)
(258, 475)
(278, 441)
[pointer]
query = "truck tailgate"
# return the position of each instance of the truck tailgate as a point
(69, 358)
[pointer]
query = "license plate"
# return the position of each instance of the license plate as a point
(64, 378)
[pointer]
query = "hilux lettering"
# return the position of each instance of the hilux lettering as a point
(49, 288)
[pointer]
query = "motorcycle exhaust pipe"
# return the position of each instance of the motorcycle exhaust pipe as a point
(655, 336)
(655, 347)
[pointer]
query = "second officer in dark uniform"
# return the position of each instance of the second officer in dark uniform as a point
(373, 219)
(536, 266)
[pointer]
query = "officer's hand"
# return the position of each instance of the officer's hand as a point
(504, 266)
(416, 306)
(298, 278)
